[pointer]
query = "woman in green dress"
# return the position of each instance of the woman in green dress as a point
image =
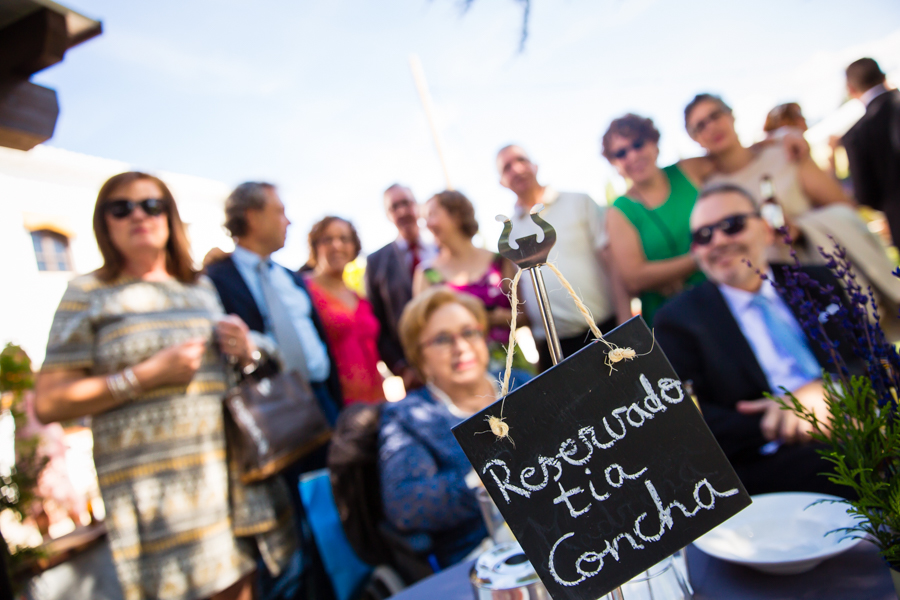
(135, 345)
(649, 232)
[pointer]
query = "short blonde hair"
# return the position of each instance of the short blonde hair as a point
(419, 310)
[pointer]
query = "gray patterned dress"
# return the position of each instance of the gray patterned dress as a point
(161, 458)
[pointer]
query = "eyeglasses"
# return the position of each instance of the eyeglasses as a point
(702, 124)
(331, 239)
(732, 225)
(120, 209)
(445, 341)
(400, 205)
(623, 152)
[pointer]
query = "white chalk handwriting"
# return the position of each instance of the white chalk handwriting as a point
(611, 548)
(572, 453)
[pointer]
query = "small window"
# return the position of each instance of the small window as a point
(51, 250)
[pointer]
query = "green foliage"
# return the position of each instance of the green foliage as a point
(863, 446)
(17, 490)
(15, 370)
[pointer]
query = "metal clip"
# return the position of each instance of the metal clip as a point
(528, 251)
(530, 254)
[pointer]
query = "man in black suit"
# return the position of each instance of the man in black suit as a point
(873, 143)
(389, 272)
(734, 338)
(273, 301)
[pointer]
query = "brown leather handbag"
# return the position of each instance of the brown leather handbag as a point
(277, 421)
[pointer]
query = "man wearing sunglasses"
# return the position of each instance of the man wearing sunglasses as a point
(735, 338)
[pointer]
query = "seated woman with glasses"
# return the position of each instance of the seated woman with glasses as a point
(649, 233)
(427, 483)
(350, 325)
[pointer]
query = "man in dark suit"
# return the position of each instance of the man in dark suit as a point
(255, 219)
(389, 272)
(273, 301)
(873, 143)
(735, 339)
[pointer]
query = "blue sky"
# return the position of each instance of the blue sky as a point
(317, 96)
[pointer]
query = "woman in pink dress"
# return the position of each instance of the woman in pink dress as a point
(350, 325)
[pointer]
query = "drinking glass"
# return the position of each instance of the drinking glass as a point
(662, 581)
(493, 520)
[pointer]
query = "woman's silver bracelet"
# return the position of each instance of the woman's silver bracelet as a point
(132, 380)
(123, 386)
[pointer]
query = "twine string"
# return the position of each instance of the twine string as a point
(615, 354)
(511, 348)
(585, 312)
(514, 303)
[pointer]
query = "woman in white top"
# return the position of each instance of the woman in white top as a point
(799, 183)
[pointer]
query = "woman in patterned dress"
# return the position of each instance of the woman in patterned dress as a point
(133, 345)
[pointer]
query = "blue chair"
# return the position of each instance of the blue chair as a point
(347, 572)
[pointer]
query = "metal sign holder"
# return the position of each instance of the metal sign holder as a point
(529, 255)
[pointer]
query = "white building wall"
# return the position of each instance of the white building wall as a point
(61, 187)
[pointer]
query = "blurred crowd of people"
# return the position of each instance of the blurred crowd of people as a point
(148, 345)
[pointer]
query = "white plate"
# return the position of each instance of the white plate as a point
(781, 533)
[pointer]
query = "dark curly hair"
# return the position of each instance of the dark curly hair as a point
(631, 127)
(318, 231)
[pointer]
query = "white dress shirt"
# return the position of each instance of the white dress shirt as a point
(780, 371)
(297, 303)
(872, 93)
(580, 225)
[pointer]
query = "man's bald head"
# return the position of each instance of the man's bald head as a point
(517, 172)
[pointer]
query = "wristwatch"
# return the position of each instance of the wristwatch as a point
(255, 357)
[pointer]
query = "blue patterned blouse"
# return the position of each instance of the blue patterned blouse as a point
(423, 471)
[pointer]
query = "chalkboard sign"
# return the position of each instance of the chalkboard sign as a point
(603, 475)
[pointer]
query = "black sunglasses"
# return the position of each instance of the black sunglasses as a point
(119, 209)
(623, 152)
(700, 126)
(732, 225)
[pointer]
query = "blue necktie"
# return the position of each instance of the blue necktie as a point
(281, 325)
(789, 342)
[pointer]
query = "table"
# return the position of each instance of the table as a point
(857, 574)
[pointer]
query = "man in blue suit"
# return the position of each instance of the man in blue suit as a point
(273, 300)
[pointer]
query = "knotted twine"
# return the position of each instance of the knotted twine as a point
(498, 427)
(614, 355)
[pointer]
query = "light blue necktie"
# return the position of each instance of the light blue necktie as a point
(789, 342)
(281, 325)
